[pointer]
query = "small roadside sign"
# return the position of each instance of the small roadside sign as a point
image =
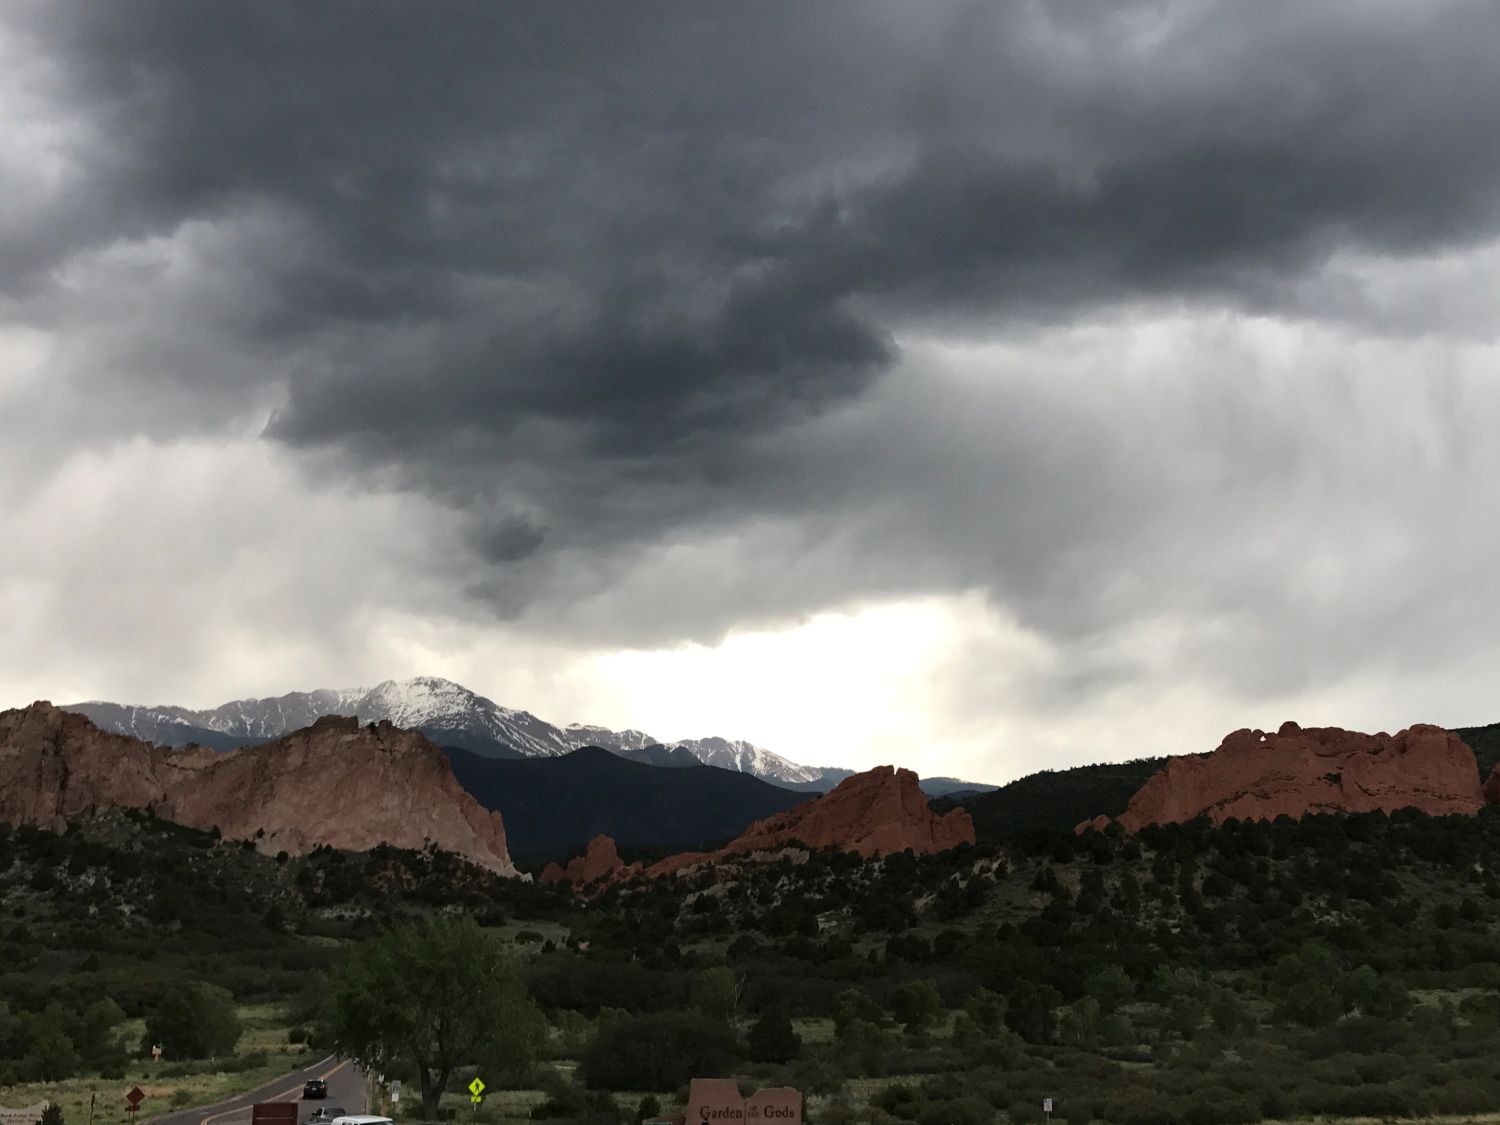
(1047, 1107)
(135, 1096)
(476, 1090)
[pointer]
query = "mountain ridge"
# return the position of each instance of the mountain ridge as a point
(552, 807)
(453, 715)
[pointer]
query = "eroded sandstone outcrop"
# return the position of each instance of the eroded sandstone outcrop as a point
(334, 783)
(879, 812)
(1297, 772)
(601, 861)
(1492, 786)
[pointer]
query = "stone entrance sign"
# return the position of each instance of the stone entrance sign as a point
(717, 1101)
(775, 1105)
(31, 1115)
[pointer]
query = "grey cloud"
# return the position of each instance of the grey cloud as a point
(603, 278)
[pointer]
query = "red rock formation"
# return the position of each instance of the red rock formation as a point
(1296, 772)
(1492, 786)
(334, 783)
(878, 812)
(600, 861)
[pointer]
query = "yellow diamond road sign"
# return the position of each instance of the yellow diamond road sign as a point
(476, 1087)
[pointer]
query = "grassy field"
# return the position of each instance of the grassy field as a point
(263, 1053)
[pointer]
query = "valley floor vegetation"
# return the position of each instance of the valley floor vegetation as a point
(1337, 967)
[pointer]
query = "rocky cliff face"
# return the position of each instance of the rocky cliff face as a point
(334, 783)
(1296, 772)
(1492, 786)
(600, 861)
(879, 812)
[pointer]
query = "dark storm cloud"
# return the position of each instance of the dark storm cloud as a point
(584, 272)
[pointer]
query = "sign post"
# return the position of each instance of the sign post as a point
(1047, 1109)
(133, 1100)
(476, 1093)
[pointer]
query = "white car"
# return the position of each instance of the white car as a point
(361, 1119)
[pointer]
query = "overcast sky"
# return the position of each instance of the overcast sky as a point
(980, 387)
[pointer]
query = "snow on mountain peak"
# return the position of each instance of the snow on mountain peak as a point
(448, 712)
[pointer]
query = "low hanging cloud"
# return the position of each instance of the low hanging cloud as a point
(676, 320)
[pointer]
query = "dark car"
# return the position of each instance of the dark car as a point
(315, 1088)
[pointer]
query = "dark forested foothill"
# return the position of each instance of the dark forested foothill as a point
(1334, 966)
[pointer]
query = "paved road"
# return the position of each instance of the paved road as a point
(346, 1090)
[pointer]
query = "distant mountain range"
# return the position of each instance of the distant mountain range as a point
(553, 806)
(455, 717)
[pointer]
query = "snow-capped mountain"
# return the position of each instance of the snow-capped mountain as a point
(742, 757)
(448, 713)
(582, 734)
(445, 711)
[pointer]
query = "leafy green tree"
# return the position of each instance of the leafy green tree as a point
(1371, 994)
(987, 1010)
(193, 1021)
(1078, 1024)
(868, 1046)
(51, 1056)
(851, 1006)
(649, 1107)
(1031, 1011)
(1307, 987)
(716, 993)
(1112, 987)
(1228, 1012)
(433, 995)
(93, 1037)
(772, 1038)
(916, 1004)
(660, 1052)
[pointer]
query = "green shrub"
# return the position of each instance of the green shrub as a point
(968, 1110)
(658, 1052)
(1143, 1108)
(772, 1039)
(899, 1100)
(1219, 1106)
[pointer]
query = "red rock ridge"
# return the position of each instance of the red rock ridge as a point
(600, 861)
(1297, 772)
(334, 783)
(879, 812)
(1492, 786)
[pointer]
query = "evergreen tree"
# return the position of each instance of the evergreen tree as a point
(772, 1038)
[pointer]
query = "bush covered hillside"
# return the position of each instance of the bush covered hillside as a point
(103, 927)
(1055, 799)
(1342, 967)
